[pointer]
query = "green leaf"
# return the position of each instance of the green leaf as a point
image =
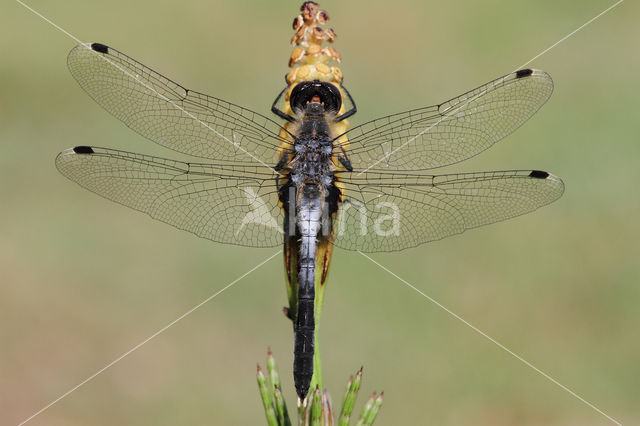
(353, 386)
(267, 401)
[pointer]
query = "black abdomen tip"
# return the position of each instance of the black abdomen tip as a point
(83, 150)
(538, 174)
(99, 47)
(524, 73)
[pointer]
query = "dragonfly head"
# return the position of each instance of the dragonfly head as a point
(315, 98)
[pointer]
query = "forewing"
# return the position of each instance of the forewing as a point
(171, 115)
(386, 211)
(227, 203)
(452, 131)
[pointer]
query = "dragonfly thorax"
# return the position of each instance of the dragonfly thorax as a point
(311, 162)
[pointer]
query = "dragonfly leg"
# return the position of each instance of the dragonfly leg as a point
(351, 111)
(276, 110)
(281, 163)
(344, 160)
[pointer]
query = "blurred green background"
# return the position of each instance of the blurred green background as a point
(83, 280)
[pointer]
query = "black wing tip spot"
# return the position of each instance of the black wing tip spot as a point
(538, 174)
(83, 150)
(524, 73)
(99, 47)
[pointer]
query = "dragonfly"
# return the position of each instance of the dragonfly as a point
(253, 183)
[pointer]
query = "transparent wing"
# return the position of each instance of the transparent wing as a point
(452, 131)
(227, 203)
(389, 211)
(171, 115)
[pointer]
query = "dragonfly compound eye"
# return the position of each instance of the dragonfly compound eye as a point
(314, 92)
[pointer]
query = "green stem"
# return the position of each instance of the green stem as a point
(316, 380)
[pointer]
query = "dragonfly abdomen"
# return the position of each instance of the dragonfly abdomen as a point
(309, 227)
